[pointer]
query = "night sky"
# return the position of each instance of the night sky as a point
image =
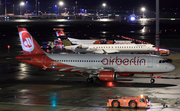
(112, 3)
(95, 4)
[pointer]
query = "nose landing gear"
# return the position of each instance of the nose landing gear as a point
(152, 78)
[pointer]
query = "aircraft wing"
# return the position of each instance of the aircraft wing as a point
(109, 51)
(94, 70)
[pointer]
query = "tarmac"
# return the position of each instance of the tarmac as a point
(32, 89)
(25, 87)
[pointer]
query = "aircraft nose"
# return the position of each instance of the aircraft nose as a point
(172, 67)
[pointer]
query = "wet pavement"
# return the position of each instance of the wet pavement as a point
(25, 87)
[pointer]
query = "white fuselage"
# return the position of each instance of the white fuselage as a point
(117, 62)
(78, 41)
(111, 48)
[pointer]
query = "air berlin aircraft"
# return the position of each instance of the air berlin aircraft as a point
(103, 67)
(103, 48)
(60, 33)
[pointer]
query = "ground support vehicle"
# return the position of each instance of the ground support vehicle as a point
(133, 102)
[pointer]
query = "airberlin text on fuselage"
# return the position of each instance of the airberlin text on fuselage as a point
(126, 61)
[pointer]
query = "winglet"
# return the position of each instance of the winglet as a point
(45, 67)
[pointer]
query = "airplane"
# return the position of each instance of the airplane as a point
(101, 48)
(60, 33)
(98, 66)
(107, 48)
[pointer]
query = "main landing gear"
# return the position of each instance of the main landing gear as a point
(152, 78)
(90, 80)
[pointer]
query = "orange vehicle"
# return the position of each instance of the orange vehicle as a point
(133, 102)
(164, 52)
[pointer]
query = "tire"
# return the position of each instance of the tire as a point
(152, 80)
(132, 104)
(115, 104)
(90, 80)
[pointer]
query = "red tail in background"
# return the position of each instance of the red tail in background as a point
(59, 32)
(29, 45)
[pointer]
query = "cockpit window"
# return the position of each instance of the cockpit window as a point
(166, 61)
(141, 100)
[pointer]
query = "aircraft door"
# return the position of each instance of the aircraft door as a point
(150, 62)
(43, 60)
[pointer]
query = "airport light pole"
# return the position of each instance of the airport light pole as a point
(65, 10)
(143, 9)
(157, 27)
(104, 5)
(26, 6)
(5, 9)
(61, 4)
(36, 7)
(21, 4)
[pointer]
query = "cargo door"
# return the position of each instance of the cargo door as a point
(150, 62)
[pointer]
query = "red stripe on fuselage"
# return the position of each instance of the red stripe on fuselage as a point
(40, 60)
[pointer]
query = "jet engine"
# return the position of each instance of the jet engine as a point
(107, 75)
(84, 46)
(125, 74)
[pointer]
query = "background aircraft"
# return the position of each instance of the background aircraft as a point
(107, 48)
(60, 33)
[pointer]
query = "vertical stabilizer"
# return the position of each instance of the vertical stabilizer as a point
(59, 32)
(62, 36)
(29, 45)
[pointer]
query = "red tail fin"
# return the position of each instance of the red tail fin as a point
(29, 45)
(59, 32)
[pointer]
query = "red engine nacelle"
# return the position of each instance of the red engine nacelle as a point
(107, 75)
(125, 74)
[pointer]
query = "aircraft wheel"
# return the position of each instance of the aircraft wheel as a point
(152, 80)
(90, 80)
(97, 79)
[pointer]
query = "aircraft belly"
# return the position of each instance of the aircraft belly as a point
(138, 68)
